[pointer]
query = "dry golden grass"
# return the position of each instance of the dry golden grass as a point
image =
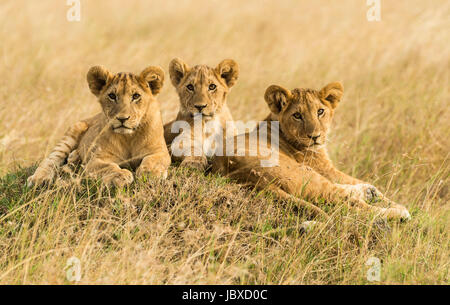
(392, 129)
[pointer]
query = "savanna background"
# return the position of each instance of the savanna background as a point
(391, 129)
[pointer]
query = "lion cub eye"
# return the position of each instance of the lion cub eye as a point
(136, 96)
(190, 87)
(298, 116)
(212, 87)
(112, 96)
(320, 112)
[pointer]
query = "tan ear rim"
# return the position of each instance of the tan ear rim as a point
(277, 98)
(177, 70)
(332, 93)
(154, 77)
(97, 77)
(228, 70)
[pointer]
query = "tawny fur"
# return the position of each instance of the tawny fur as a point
(304, 169)
(127, 133)
(194, 89)
(48, 168)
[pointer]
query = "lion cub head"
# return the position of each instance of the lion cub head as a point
(202, 89)
(305, 115)
(125, 97)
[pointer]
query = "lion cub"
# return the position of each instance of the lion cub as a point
(203, 92)
(304, 169)
(127, 133)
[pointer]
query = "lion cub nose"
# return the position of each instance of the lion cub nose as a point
(200, 107)
(122, 120)
(314, 138)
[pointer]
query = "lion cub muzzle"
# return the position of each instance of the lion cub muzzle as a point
(121, 125)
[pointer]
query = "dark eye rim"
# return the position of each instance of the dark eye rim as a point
(298, 116)
(112, 96)
(190, 87)
(320, 111)
(212, 87)
(136, 96)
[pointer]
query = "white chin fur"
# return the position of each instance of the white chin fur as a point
(123, 130)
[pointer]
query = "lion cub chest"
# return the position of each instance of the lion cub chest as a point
(197, 137)
(213, 132)
(124, 150)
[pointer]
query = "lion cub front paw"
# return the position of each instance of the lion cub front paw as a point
(194, 164)
(363, 191)
(41, 178)
(369, 192)
(119, 179)
(398, 212)
(156, 172)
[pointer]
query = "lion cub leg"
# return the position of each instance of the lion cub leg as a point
(109, 171)
(73, 160)
(300, 202)
(366, 191)
(196, 159)
(358, 197)
(155, 165)
(188, 150)
(370, 194)
(199, 163)
(314, 186)
(363, 191)
(48, 168)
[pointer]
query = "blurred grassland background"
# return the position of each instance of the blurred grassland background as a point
(391, 129)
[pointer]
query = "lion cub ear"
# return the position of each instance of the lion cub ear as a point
(177, 70)
(97, 77)
(277, 98)
(154, 77)
(228, 69)
(332, 93)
